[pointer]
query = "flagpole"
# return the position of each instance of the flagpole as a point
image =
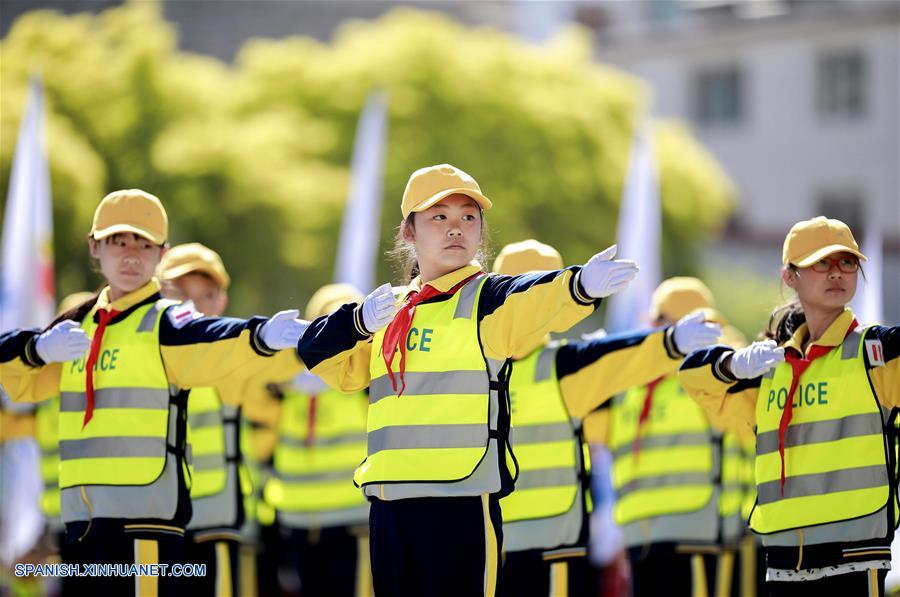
(361, 227)
(638, 233)
(27, 298)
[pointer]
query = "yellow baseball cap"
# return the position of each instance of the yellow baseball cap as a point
(427, 186)
(193, 258)
(678, 296)
(131, 210)
(527, 256)
(329, 297)
(811, 240)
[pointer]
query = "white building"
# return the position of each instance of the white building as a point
(798, 100)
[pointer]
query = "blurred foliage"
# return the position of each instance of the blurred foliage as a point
(252, 158)
(745, 296)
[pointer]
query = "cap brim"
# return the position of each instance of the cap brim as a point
(120, 228)
(482, 201)
(194, 268)
(825, 252)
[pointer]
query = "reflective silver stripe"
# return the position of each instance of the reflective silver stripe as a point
(156, 500)
(317, 477)
(484, 479)
(428, 436)
(532, 434)
(422, 384)
(231, 442)
(147, 398)
(658, 481)
(219, 509)
(545, 533)
(770, 374)
(112, 447)
(547, 477)
(319, 442)
(873, 526)
(494, 367)
(850, 346)
(207, 462)
(546, 360)
(816, 432)
(863, 477)
(148, 321)
(207, 419)
(466, 302)
(664, 441)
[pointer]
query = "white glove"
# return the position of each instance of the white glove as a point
(65, 341)
(283, 330)
(308, 383)
(756, 359)
(378, 308)
(693, 331)
(602, 276)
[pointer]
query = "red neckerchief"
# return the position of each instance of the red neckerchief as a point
(311, 421)
(645, 414)
(105, 317)
(397, 330)
(798, 366)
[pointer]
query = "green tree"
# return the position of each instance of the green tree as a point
(545, 130)
(252, 158)
(126, 109)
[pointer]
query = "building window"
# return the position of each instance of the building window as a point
(719, 95)
(844, 205)
(841, 87)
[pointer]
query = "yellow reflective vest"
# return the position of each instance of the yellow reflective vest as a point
(47, 435)
(546, 441)
(215, 458)
(134, 428)
(732, 489)
(439, 430)
(206, 438)
(672, 473)
(836, 465)
(551, 501)
(321, 440)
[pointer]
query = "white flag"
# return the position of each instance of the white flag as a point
(26, 300)
(27, 296)
(867, 303)
(361, 227)
(638, 235)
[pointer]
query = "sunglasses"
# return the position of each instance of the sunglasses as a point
(847, 265)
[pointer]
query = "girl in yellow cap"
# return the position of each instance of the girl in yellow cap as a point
(667, 458)
(321, 440)
(823, 394)
(553, 388)
(118, 363)
(193, 272)
(437, 365)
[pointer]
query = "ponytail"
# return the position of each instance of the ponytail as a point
(785, 319)
(76, 313)
(403, 255)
